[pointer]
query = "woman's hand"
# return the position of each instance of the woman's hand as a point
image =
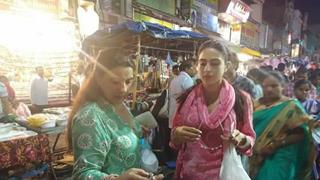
(184, 134)
(145, 131)
(237, 138)
(138, 174)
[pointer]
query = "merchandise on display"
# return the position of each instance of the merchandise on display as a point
(10, 131)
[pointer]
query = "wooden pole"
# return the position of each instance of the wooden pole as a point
(135, 75)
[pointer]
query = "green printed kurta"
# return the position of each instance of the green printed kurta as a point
(103, 143)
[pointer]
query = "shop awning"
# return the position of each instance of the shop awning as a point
(250, 52)
(126, 35)
(156, 30)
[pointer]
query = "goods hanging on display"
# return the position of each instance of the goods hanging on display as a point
(153, 46)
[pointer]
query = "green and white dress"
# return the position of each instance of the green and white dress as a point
(103, 144)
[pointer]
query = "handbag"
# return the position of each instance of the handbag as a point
(231, 166)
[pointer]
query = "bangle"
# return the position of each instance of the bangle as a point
(243, 141)
(246, 144)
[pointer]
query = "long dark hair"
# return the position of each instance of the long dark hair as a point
(239, 100)
(90, 91)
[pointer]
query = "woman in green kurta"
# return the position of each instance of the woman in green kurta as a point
(283, 149)
(104, 138)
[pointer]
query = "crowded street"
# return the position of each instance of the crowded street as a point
(160, 90)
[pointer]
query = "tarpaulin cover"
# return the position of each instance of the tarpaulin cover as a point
(154, 30)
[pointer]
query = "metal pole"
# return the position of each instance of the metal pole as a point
(135, 75)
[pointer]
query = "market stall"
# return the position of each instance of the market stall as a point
(156, 48)
(25, 147)
(23, 153)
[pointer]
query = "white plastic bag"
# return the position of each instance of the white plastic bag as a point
(316, 135)
(231, 167)
(149, 161)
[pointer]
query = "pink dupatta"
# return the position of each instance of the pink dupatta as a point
(202, 159)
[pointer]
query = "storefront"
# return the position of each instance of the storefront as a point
(224, 30)
(159, 48)
(235, 27)
(250, 40)
(295, 48)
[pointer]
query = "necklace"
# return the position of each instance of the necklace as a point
(212, 149)
(202, 144)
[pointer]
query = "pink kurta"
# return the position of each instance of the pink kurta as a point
(201, 160)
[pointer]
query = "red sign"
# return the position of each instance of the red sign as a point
(239, 10)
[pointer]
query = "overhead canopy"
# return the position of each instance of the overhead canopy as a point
(156, 30)
(151, 35)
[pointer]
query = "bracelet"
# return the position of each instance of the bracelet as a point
(246, 144)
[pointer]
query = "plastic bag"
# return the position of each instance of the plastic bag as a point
(149, 161)
(316, 135)
(231, 167)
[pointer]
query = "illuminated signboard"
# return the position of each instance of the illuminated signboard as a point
(239, 10)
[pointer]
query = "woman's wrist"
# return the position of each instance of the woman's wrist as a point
(112, 177)
(173, 136)
(245, 142)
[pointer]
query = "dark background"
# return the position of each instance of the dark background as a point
(311, 6)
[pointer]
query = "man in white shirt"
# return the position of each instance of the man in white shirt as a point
(179, 85)
(39, 91)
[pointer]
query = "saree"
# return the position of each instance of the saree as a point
(286, 163)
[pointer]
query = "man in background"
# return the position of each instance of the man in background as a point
(39, 91)
(179, 85)
(239, 81)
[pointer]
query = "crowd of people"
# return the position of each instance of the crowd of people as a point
(268, 116)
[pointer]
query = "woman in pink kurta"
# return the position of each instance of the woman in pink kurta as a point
(211, 115)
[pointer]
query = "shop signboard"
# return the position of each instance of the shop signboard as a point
(167, 6)
(239, 10)
(141, 17)
(213, 4)
(224, 30)
(249, 35)
(236, 33)
(204, 16)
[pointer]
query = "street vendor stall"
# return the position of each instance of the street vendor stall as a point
(23, 153)
(153, 45)
(25, 147)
